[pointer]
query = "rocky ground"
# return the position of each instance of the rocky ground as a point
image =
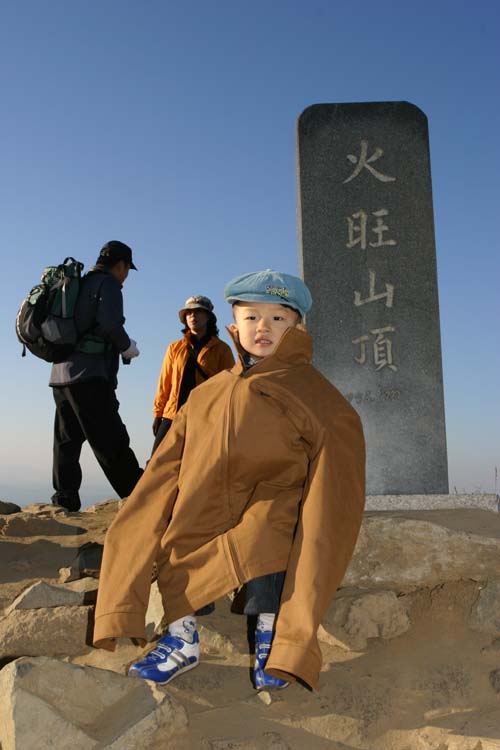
(411, 648)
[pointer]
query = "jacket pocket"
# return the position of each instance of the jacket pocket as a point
(264, 535)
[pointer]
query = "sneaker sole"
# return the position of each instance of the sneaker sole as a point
(180, 671)
(272, 687)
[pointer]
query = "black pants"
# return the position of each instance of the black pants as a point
(89, 411)
(162, 431)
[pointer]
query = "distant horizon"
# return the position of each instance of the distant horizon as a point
(41, 493)
(92, 494)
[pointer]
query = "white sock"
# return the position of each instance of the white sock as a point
(183, 628)
(265, 621)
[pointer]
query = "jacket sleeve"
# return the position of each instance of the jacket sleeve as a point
(132, 544)
(327, 530)
(164, 384)
(109, 315)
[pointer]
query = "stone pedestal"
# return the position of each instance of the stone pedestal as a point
(478, 501)
(368, 256)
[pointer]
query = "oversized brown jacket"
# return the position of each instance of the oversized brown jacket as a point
(213, 357)
(261, 471)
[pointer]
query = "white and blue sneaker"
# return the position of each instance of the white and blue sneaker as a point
(263, 680)
(171, 657)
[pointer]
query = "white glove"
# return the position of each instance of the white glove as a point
(132, 351)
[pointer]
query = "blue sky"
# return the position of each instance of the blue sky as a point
(171, 126)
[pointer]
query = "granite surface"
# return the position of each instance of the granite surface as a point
(481, 501)
(368, 256)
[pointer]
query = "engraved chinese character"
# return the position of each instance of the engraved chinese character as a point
(388, 295)
(382, 348)
(380, 228)
(366, 163)
(357, 226)
(361, 340)
(357, 232)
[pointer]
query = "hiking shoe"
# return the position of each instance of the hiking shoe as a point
(263, 680)
(68, 500)
(171, 657)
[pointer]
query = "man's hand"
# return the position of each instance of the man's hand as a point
(156, 425)
(132, 351)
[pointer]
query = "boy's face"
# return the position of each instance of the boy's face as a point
(260, 326)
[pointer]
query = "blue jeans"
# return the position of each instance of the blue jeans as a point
(262, 594)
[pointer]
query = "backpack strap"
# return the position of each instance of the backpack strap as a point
(192, 355)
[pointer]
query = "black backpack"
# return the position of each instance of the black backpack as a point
(45, 322)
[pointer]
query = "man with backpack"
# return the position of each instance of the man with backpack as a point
(84, 383)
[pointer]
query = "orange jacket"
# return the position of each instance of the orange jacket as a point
(214, 357)
(261, 471)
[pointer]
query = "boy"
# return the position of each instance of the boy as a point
(261, 473)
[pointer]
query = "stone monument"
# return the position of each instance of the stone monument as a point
(368, 256)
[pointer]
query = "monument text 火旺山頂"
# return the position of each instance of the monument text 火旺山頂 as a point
(368, 255)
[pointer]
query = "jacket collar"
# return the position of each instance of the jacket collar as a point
(102, 269)
(207, 345)
(295, 348)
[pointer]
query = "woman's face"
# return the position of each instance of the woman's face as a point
(197, 321)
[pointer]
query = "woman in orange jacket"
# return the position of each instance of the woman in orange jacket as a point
(199, 355)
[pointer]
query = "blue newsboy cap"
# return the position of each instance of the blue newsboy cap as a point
(271, 287)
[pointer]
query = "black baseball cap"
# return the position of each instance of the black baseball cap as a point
(114, 251)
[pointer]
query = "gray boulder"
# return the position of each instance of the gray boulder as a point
(355, 617)
(45, 510)
(105, 506)
(86, 586)
(27, 524)
(404, 554)
(55, 631)
(42, 595)
(48, 703)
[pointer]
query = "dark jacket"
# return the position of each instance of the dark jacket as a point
(99, 312)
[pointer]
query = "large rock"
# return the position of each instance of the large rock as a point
(57, 631)
(47, 703)
(353, 618)
(105, 506)
(42, 595)
(45, 510)
(404, 554)
(86, 586)
(27, 524)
